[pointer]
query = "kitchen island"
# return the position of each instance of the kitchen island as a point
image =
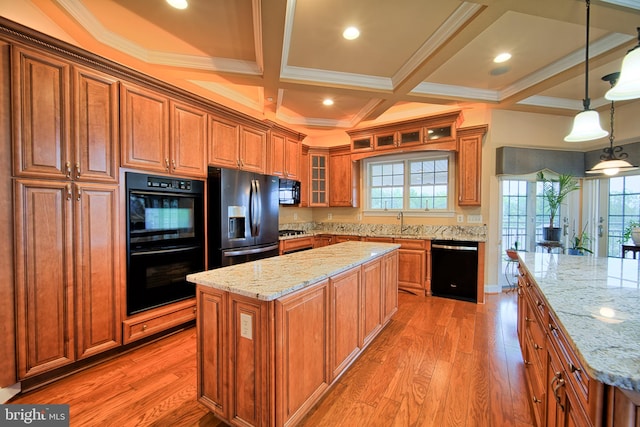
(579, 330)
(275, 334)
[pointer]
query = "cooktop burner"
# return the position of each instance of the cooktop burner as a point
(283, 233)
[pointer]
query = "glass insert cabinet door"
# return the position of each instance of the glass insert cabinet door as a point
(319, 180)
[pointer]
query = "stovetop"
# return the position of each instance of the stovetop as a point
(283, 233)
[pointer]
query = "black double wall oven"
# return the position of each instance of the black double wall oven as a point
(165, 239)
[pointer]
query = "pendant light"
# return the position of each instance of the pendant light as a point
(628, 86)
(586, 125)
(612, 160)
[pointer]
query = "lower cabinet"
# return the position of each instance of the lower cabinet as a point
(67, 287)
(266, 363)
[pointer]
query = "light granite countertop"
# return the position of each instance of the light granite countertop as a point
(270, 278)
(597, 302)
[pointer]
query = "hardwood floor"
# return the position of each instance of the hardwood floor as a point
(440, 362)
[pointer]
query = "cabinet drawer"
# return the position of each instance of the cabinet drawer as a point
(535, 337)
(158, 320)
(535, 382)
(292, 245)
(410, 243)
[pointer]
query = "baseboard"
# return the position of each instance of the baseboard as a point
(492, 289)
(6, 393)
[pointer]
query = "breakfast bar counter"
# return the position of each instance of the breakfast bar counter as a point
(579, 328)
(275, 334)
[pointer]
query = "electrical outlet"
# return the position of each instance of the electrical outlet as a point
(359, 216)
(460, 218)
(295, 216)
(330, 216)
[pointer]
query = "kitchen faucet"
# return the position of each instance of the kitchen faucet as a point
(401, 218)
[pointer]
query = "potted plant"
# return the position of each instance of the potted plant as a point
(632, 231)
(579, 243)
(555, 191)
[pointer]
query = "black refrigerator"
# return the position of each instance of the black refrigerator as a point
(242, 216)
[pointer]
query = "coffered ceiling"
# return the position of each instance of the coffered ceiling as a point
(280, 58)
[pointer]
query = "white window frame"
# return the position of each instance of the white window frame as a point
(448, 212)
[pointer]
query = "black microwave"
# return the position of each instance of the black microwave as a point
(289, 192)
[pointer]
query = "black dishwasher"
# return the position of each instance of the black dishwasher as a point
(454, 269)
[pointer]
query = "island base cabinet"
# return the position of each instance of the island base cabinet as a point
(624, 408)
(266, 363)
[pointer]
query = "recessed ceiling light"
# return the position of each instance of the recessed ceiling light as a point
(178, 4)
(351, 33)
(327, 102)
(503, 57)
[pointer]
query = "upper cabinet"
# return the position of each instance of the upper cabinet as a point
(427, 133)
(318, 177)
(53, 139)
(343, 178)
(160, 134)
(284, 152)
(469, 168)
(238, 146)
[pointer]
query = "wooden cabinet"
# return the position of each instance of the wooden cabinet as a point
(344, 320)
(304, 176)
(160, 134)
(339, 238)
(297, 244)
(67, 273)
(390, 286)
(318, 178)
(238, 146)
(321, 240)
(302, 367)
(50, 139)
(343, 178)
(412, 258)
(284, 152)
(188, 142)
(372, 299)
(469, 169)
(156, 320)
(427, 133)
(144, 128)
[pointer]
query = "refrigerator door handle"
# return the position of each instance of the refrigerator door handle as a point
(229, 253)
(258, 217)
(252, 208)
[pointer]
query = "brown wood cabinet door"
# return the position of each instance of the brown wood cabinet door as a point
(213, 349)
(411, 267)
(304, 177)
(188, 140)
(253, 149)
(145, 129)
(469, 170)
(344, 321)
(95, 126)
(371, 300)
(277, 155)
(97, 268)
(292, 158)
(44, 276)
(341, 180)
(224, 140)
(41, 118)
(302, 358)
(318, 179)
(390, 290)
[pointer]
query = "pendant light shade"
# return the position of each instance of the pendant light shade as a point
(586, 125)
(628, 86)
(613, 158)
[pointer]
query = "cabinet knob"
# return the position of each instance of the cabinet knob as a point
(573, 368)
(537, 347)
(144, 327)
(536, 400)
(552, 328)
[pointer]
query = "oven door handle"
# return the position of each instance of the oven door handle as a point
(166, 251)
(250, 251)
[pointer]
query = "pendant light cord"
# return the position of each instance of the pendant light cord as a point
(586, 102)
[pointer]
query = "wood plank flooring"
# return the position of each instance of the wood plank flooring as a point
(440, 362)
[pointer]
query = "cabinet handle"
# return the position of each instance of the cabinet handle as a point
(69, 195)
(195, 309)
(573, 368)
(537, 347)
(552, 328)
(77, 170)
(144, 327)
(78, 194)
(173, 163)
(68, 169)
(539, 303)
(536, 400)
(556, 395)
(527, 319)
(238, 162)
(166, 163)
(526, 362)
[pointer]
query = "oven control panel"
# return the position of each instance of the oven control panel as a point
(174, 184)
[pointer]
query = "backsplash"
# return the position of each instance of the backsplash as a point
(431, 232)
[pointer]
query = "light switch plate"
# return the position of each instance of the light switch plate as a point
(474, 219)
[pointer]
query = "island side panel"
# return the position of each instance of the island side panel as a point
(372, 301)
(302, 356)
(213, 350)
(345, 294)
(390, 285)
(250, 356)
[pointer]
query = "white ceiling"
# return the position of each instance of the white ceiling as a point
(279, 58)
